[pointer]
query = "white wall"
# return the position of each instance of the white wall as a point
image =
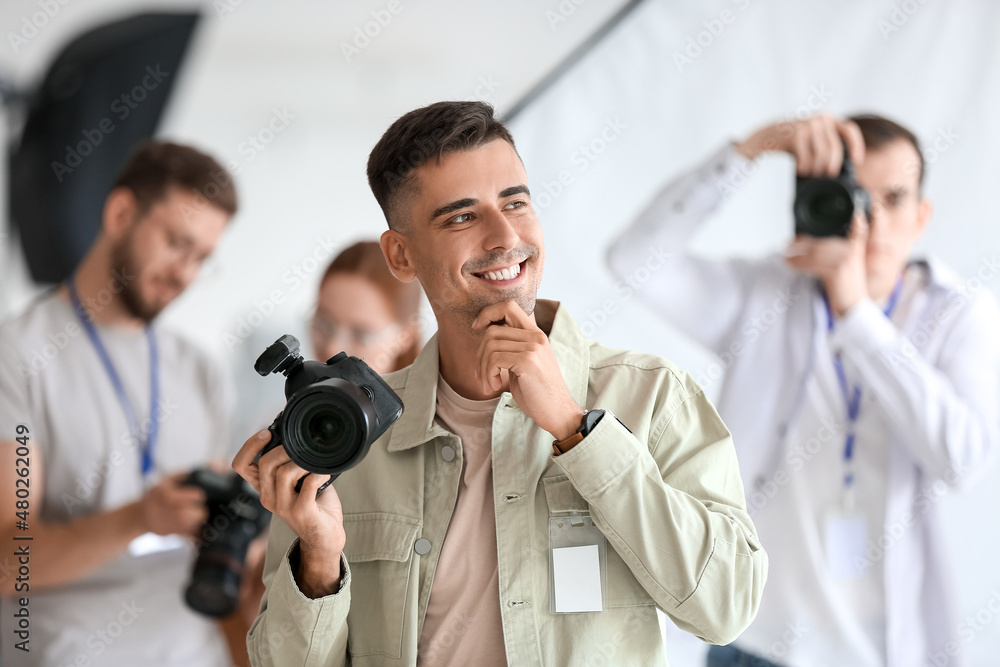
(938, 73)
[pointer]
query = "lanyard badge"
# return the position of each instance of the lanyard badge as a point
(846, 534)
(146, 448)
(577, 564)
(852, 396)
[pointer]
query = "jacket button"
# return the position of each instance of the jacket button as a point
(422, 546)
(448, 453)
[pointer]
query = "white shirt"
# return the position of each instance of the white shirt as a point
(928, 418)
(847, 611)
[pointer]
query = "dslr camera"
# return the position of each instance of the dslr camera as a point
(335, 410)
(825, 206)
(235, 518)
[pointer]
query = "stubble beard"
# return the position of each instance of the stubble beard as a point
(123, 260)
(524, 297)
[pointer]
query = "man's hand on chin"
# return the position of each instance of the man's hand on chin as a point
(515, 353)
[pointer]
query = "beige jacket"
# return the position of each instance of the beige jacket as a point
(665, 491)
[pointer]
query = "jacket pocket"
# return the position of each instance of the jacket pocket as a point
(561, 496)
(379, 550)
(624, 590)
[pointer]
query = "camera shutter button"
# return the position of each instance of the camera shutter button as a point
(448, 453)
(422, 546)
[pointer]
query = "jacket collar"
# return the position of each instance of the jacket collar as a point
(419, 391)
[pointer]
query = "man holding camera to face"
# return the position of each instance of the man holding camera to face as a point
(860, 385)
(103, 414)
(539, 497)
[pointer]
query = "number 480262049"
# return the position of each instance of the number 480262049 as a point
(22, 466)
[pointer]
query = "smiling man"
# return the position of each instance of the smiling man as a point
(860, 385)
(541, 495)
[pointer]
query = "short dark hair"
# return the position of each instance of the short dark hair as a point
(156, 166)
(879, 131)
(424, 134)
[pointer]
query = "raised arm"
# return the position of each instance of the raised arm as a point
(680, 289)
(705, 297)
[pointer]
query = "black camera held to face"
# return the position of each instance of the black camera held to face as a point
(825, 206)
(335, 410)
(235, 518)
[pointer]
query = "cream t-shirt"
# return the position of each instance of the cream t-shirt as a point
(462, 625)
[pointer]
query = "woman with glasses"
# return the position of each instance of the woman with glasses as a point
(362, 309)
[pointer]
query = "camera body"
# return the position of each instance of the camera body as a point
(235, 518)
(335, 410)
(825, 206)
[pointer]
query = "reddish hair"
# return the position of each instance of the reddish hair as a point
(365, 259)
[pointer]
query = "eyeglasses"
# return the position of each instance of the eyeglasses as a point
(325, 329)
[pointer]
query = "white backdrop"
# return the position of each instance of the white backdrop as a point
(676, 81)
(304, 196)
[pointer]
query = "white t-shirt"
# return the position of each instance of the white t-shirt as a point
(131, 611)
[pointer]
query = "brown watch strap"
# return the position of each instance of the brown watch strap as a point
(566, 444)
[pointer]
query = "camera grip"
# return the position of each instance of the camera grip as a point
(298, 484)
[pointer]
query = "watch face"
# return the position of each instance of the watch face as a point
(590, 420)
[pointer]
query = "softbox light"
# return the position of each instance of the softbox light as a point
(104, 93)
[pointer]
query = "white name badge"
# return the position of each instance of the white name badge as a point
(846, 544)
(151, 543)
(577, 579)
(577, 565)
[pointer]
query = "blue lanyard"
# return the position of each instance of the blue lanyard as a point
(154, 380)
(853, 398)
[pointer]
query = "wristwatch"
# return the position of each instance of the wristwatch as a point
(587, 424)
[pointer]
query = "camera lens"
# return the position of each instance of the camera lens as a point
(326, 426)
(214, 589)
(327, 431)
(235, 518)
(822, 208)
(830, 208)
